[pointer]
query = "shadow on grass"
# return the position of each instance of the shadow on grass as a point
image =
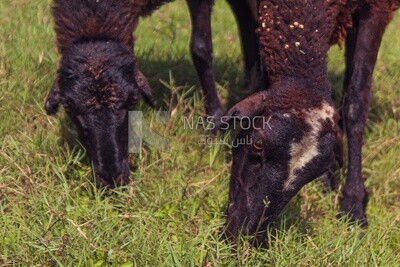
(290, 217)
(229, 75)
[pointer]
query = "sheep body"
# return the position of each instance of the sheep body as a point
(295, 35)
(294, 39)
(91, 19)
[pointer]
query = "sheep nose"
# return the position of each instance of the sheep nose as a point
(113, 174)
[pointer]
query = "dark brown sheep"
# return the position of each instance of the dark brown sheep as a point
(98, 80)
(296, 138)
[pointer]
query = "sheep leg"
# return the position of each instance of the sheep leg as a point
(246, 16)
(201, 50)
(349, 51)
(363, 45)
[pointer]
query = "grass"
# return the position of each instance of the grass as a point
(171, 213)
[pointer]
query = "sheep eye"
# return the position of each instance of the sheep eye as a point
(257, 146)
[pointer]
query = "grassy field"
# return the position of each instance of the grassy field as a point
(171, 213)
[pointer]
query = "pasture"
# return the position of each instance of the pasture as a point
(171, 213)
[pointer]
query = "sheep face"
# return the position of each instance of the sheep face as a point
(282, 151)
(97, 85)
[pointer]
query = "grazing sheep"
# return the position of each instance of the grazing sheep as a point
(296, 137)
(98, 80)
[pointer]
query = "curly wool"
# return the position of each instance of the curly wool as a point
(295, 35)
(99, 19)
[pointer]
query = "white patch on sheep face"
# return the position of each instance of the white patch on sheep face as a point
(303, 152)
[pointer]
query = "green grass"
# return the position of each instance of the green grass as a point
(172, 211)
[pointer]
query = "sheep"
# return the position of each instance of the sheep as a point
(99, 81)
(297, 137)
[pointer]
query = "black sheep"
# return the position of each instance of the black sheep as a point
(98, 81)
(296, 138)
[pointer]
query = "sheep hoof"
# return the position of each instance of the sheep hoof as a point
(353, 206)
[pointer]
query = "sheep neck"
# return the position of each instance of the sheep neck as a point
(295, 37)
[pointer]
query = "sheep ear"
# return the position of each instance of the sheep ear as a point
(144, 88)
(53, 99)
(249, 107)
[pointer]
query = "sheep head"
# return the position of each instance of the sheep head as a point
(293, 141)
(97, 84)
